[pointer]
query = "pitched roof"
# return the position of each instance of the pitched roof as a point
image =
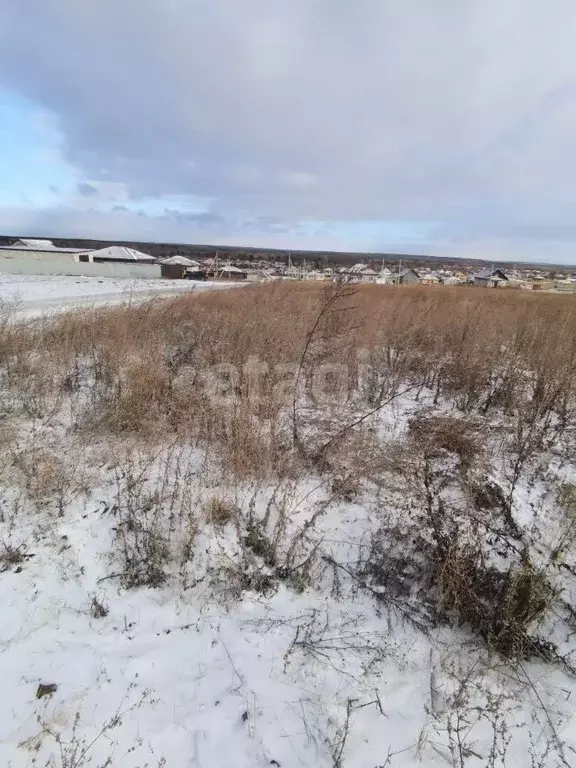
(181, 261)
(120, 253)
(487, 273)
(29, 242)
(357, 269)
(54, 249)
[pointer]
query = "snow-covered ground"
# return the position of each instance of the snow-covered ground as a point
(33, 295)
(205, 670)
(213, 685)
(241, 657)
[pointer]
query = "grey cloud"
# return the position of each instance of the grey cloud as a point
(226, 224)
(205, 220)
(130, 225)
(87, 190)
(268, 224)
(390, 109)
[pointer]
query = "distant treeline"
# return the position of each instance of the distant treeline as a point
(317, 259)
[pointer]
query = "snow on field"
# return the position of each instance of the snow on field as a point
(35, 294)
(195, 673)
(193, 680)
(211, 686)
(236, 656)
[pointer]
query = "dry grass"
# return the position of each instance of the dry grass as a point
(219, 511)
(503, 607)
(234, 372)
(148, 369)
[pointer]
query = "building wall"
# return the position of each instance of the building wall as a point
(28, 264)
(29, 253)
(409, 279)
(232, 277)
(172, 271)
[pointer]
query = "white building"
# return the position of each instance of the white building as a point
(385, 277)
(37, 250)
(180, 261)
(359, 273)
(41, 257)
(29, 242)
(115, 253)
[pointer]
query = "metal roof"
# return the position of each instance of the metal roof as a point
(29, 242)
(120, 253)
(181, 261)
(38, 249)
(487, 273)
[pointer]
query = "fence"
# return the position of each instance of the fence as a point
(60, 265)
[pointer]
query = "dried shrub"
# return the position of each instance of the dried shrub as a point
(502, 606)
(156, 524)
(486, 495)
(219, 511)
(47, 477)
(566, 500)
(12, 554)
(452, 580)
(143, 546)
(98, 607)
(435, 434)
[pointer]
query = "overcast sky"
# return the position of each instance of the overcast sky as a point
(446, 127)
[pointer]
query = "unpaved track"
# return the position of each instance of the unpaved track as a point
(54, 302)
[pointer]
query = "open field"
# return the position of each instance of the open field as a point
(290, 525)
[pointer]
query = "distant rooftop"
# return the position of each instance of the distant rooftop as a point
(28, 242)
(39, 246)
(487, 274)
(120, 253)
(181, 261)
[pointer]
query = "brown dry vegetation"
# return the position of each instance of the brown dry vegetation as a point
(140, 368)
(501, 362)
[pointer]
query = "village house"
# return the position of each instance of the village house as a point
(359, 273)
(407, 277)
(174, 267)
(30, 249)
(118, 254)
(431, 278)
(228, 272)
(315, 274)
(385, 277)
(34, 244)
(491, 278)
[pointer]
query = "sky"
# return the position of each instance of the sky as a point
(446, 128)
